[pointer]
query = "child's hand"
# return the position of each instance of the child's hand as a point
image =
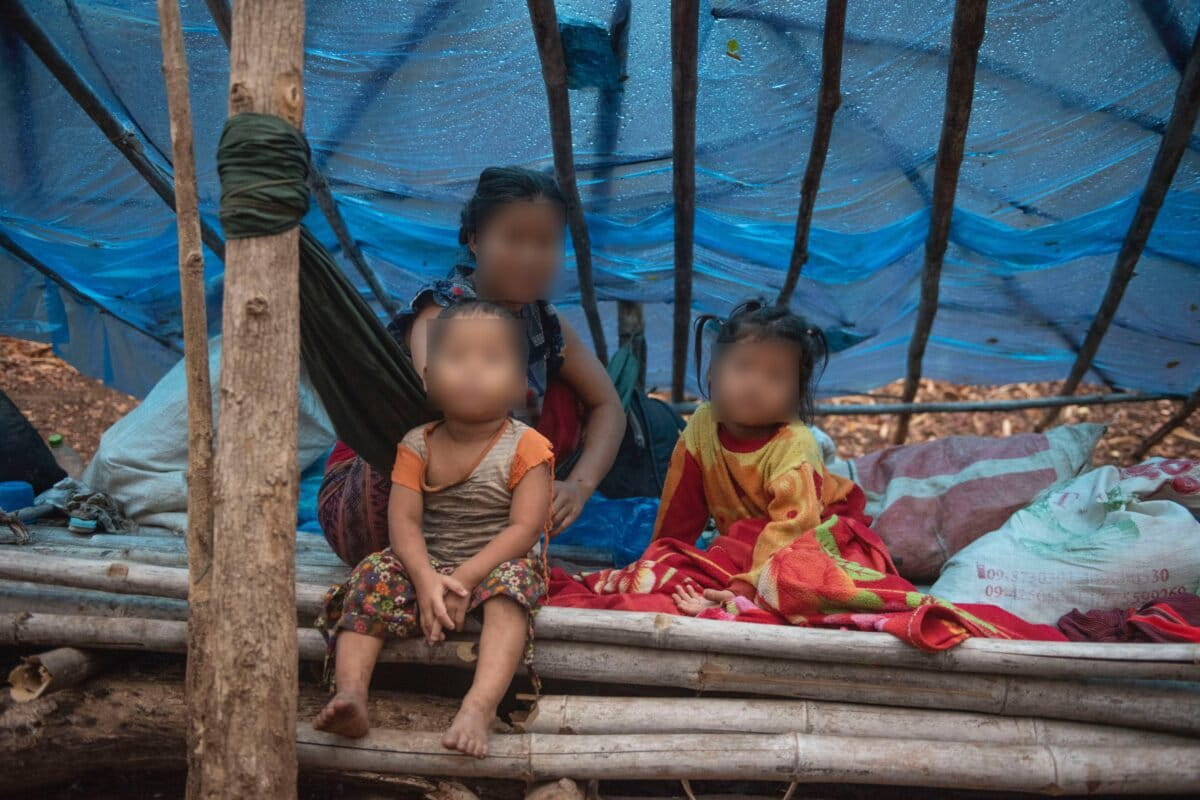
(431, 605)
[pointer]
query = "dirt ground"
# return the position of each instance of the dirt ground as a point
(57, 399)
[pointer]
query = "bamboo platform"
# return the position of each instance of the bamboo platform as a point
(1122, 717)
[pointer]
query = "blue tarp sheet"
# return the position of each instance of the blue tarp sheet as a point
(406, 102)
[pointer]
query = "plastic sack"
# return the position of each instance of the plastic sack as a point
(621, 527)
(1094, 542)
(142, 460)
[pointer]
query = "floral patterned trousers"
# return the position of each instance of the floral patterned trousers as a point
(378, 599)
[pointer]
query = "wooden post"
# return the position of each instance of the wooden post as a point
(1178, 418)
(124, 139)
(965, 38)
(827, 105)
(195, 345)
(1166, 160)
(221, 15)
(248, 744)
(685, 22)
(554, 73)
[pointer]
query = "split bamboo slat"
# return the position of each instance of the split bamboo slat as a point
(1043, 769)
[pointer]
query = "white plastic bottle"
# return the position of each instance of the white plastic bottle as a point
(66, 456)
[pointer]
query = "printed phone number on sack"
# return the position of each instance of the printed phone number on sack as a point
(1141, 577)
(996, 591)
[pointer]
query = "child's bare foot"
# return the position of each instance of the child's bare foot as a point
(345, 714)
(693, 603)
(468, 733)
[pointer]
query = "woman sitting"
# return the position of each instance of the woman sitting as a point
(513, 228)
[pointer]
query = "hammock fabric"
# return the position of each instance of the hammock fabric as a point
(365, 380)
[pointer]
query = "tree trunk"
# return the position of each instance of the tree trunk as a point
(248, 747)
(138, 724)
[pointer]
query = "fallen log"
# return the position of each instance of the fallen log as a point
(53, 671)
(1070, 660)
(581, 714)
(140, 725)
(1043, 769)
(1168, 707)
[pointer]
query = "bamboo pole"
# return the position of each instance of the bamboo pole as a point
(21, 597)
(672, 632)
(967, 407)
(554, 72)
(685, 21)
(829, 99)
(1045, 769)
(1166, 161)
(52, 671)
(965, 39)
(199, 388)
(586, 715)
(1186, 409)
(1167, 707)
(247, 744)
(121, 136)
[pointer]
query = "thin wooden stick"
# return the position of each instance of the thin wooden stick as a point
(1168, 707)
(892, 761)
(1185, 410)
(685, 22)
(827, 105)
(122, 137)
(554, 72)
(199, 388)
(965, 39)
(578, 714)
(1166, 161)
(50, 672)
(247, 745)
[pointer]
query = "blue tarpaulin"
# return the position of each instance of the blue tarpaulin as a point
(406, 102)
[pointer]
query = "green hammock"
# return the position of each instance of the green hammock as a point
(364, 378)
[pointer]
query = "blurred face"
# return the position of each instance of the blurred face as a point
(475, 372)
(519, 251)
(756, 382)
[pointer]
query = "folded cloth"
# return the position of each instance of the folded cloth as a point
(79, 502)
(1173, 619)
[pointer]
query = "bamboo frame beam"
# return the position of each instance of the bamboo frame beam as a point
(678, 633)
(1166, 161)
(122, 138)
(963, 407)
(544, 19)
(685, 30)
(1168, 708)
(829, 99)
(591, 715)
(1045, 769)
(965, 38)
(319, 185)
(199, 387)
(1186, 409)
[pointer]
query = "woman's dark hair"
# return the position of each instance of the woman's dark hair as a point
(499, 186)
(755, 320)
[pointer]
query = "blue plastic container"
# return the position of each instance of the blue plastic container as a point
(15, 495)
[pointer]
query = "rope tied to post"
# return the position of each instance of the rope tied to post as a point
(263, 164)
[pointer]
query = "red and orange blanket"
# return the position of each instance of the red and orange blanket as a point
(794, 539)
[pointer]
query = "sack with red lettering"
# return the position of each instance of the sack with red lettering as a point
(1091, 542)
